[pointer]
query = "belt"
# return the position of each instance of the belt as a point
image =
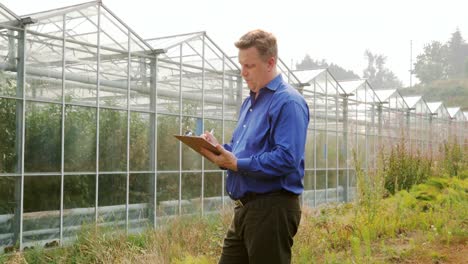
(249, 197)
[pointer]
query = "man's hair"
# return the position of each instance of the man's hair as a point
(265, 42)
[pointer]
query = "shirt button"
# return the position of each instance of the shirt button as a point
(250, 110)
(237, 141)
(244, 126)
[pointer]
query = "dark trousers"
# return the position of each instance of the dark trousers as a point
(262, 231)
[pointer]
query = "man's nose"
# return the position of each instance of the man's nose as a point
(244, 73)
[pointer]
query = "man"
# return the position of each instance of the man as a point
(265, 159)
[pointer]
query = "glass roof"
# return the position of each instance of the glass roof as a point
(167, 42)
(384, 95)
(58, 11)
(411, 101)
(82, 22)
(193, 52)
(306, 76)
(7, 15)
(456, 113)
(351, 86)
(434, 106)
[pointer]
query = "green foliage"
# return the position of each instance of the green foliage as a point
(8, 140)
(454, 159)
(404, 226)
(80, 139)
(403, 169)
(451, 92)
(377, 74)
(441, 61)
(338, 72)
(432, 64)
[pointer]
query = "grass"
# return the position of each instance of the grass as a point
(423, 223)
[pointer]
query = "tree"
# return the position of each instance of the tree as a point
(455, 55)
(432, 64)
(377, 74)
(337, 71)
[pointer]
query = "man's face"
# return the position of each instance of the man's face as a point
(255, 71)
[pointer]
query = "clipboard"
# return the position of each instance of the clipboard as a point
(197, 143)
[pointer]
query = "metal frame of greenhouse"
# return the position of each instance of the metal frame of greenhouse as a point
(88, 111)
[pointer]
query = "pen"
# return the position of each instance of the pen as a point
(212, 131)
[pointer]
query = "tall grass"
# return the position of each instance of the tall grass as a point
(387, 223)
(403, 169)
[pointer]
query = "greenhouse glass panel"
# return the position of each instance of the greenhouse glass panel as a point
(342, 150)
(191, 160)
(142, 70)
(191, 193)
(213, 192)
(332, 150)
(213, 87)
(80, 74)
(168, 147)
(308, 195)
(112, 140)
(141, 142)
(332, 183)
(41, 217)
(361, 150)
(141, 202)
(352, 191)
(229, 127)
(114, 59)
(167, 194)
(214, 58)
(8, 74)
(343, 185)
(112, 200)
(43, 137)
(9, 138)
(79, 201)
(321, 187)
(81, 25)
(6, 15)
(113, 79)
(320, 81)
(217, 127)
(309, 150)
(322, 149)
(44, 68)
(168, 87)
(9, 202)
(114, 35)
(80, 139)
(192, 82)
(232, 96)
(81, 56)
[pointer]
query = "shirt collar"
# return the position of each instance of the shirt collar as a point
(275, 83)
(272, 85)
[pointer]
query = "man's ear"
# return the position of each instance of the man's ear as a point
(271, 63)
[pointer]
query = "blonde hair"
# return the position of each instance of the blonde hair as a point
(265, 42)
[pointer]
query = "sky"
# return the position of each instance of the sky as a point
(338, 31)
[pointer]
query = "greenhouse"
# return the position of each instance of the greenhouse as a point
(392, 119)
(88, 110)
(459, 122)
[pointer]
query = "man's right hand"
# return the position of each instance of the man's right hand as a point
(210, 138)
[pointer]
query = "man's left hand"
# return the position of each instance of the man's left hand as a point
(224, 160)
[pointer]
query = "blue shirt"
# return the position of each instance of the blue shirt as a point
(269, 142)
